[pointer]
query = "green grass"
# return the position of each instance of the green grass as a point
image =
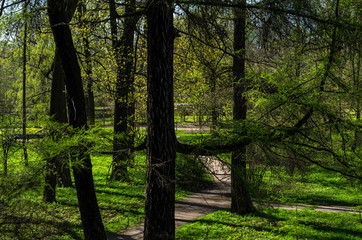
(315, 186)
(274, 224)
(23, 215)
(193, 138)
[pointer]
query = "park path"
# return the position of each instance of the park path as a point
(215, 198)
(197, 205)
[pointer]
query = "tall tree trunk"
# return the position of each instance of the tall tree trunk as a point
(6, 141)
(214, 110)
(24, 82)
(124, 100)
(240, 197)
(58, 110)
(357, 84)
(161, 140)
(89, 97)
(60, 13)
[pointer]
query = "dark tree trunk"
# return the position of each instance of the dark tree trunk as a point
(214, 110)
(90, 102)
(124, 102)
(61, 12)
(356, 79)
(26, 161)
(89, 97)
(161, 140)
(240, 197)
(5, 161)
(50, 181)
(64, 177)
(90, 107)
(6, 145)
(58, 108)
(58, 111)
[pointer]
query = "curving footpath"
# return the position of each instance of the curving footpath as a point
(213, 199)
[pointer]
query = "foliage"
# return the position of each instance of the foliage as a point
(61, 138)
(191, 173)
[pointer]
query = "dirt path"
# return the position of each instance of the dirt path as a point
(213, 199)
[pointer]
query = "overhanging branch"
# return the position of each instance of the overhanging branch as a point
(261, 6)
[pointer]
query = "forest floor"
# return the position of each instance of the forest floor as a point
(215, 198)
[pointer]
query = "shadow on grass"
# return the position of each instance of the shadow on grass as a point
(121, 194)
(265, 222)
(271, 219)
(325, 228)
(324, 200)
(311, 199)
(15, 226)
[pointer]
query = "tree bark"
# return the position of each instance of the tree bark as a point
(124, 100)
(214, 110)
(89, 97)
(161, 140)
(58, 111)
(240, 197)
(60, 13)
(26, 161)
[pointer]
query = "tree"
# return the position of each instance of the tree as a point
(161, 140)
(58, 165)
(124, 95)
(24, 81)
(202, 68)
(85, 32)
(240, 197)
(60, 14)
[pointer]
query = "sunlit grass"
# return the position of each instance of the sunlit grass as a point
(274, 224)
(315, 186)
(24, 214)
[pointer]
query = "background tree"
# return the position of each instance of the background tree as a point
(24, 81)
(124, 128)
(57, 166)
(85, 32)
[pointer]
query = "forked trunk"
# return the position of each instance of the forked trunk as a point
(61, 12)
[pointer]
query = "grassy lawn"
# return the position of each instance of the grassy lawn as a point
(274, 224)
(24, 216)
(316, 187)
